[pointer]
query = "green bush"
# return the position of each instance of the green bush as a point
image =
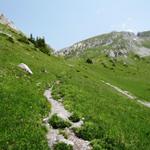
(62, 146)
(74, 117)
(89, 61)
(10, 39)
(57, 122)
(23, 39)
(104, 65)
(98, 147)
(137, 56)
(90, 131)
(40, 44)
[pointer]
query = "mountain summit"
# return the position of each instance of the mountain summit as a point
(7, 22)
(112, 44)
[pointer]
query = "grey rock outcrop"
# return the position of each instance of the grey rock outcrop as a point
(114, 44)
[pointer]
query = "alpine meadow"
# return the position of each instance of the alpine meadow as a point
(92, 95)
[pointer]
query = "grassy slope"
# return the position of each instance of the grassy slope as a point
(22, 104)
(134, 76)
(124, 119)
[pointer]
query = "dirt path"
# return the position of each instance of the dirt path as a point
(53, 135)
(128, 94)
(56, 107)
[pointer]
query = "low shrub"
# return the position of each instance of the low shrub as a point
(10, 39)
(137, 57)
(23, 39)
(41, 44)
(90, 131)
(89, 61)
(57, 122)
(56, 96)
(104, 65)
(62, 146)
(98, 145)
(74, 117)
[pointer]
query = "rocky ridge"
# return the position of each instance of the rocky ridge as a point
(114, 44)
(7, 22)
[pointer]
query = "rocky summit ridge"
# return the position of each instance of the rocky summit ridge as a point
(113, 44)
(7, 22)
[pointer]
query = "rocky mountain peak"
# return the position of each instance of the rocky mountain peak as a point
(7, 22)
(112, 44)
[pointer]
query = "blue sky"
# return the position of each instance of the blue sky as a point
(64, 22)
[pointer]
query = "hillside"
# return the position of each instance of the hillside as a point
(23, 106)
(113, 44)
(112, 120)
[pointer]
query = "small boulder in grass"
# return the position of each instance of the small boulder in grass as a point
(25, 68)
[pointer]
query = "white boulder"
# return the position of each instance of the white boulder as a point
(25, 68)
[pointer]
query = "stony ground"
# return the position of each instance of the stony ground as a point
(53, 135)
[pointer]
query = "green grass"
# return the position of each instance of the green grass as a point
(23, 105)
(62, 146)
(90, 131)
(133, 78)
(120, 117)
(74, 117)
(58, 123)
(107, 143)
(146, 43)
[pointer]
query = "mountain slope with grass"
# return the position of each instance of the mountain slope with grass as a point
(111, 120)
(23, 105)
(114, 44)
